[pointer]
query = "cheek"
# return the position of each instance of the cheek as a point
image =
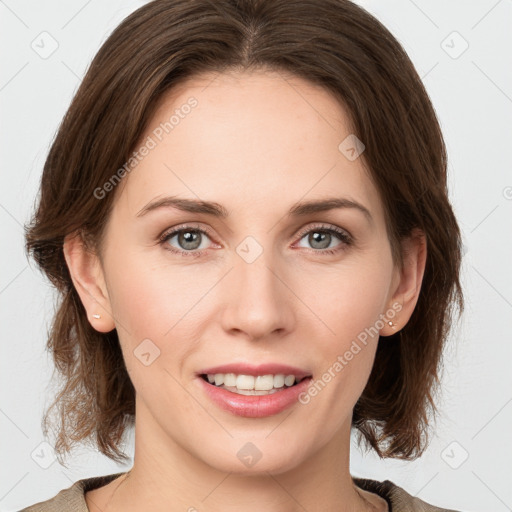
(347, 298)
(148, 297)
(156, 307)
(349, 304)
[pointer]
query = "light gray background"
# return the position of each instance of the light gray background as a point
(472, 93)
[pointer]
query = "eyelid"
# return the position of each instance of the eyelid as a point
(174, 230)
(344, 236)
(343, 233)
(303, 231)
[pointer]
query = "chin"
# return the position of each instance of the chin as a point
(255, 456)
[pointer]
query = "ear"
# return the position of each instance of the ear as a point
(406, 283)
(89, 281)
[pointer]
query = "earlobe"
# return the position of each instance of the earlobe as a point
(88, 279)
(410, 278)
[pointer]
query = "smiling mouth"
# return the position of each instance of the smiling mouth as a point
(235, 389)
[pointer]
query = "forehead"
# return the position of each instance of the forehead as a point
(252, 138)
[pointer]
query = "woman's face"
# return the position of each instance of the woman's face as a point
(261, 284)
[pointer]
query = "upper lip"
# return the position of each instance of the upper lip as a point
(261, 369)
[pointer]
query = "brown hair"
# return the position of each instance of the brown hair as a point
(333, 43)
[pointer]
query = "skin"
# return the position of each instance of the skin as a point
(256, 143)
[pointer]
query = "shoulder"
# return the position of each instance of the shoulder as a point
(72, 499)
(398, 499)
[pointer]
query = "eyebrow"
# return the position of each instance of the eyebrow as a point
(323, 205)
(300, 209)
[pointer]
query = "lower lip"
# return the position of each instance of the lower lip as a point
(254, 406)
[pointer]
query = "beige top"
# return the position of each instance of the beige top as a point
(72, 499)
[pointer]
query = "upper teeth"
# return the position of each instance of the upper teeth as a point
(261, 382)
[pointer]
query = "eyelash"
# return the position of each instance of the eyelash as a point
(345, 238)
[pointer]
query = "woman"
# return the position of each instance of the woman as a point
(246, 213)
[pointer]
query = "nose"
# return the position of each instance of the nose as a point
(258, 301)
